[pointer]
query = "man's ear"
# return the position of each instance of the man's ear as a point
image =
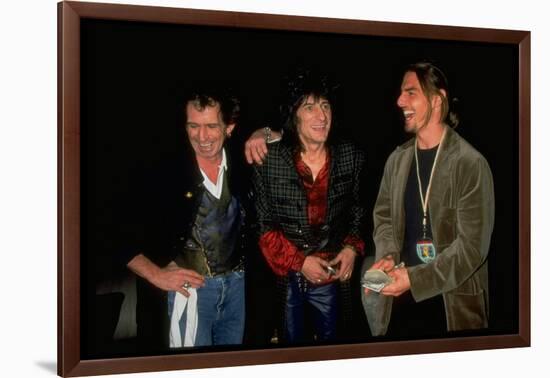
(437, 100)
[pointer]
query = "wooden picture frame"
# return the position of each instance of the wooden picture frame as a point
(70, 259)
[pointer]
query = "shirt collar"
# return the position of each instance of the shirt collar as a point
(223, 164)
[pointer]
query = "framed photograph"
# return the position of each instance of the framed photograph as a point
(121, 73)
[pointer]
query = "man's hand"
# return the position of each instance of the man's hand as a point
(169, 278)
(385, 264)
(174, 278)
(255, 148)
(314, 269)
(400, 283)
(346, 259)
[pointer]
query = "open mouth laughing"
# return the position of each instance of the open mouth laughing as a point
(206, 146)
(408, 114)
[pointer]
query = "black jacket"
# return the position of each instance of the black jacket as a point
(167, 201)
(281, 202)
(164, 206)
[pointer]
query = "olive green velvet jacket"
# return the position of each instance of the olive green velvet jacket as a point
(461, 208)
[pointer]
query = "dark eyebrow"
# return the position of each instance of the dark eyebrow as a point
(408, 89)
(207, 124)
(321, 101)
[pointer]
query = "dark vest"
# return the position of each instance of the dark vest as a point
(210, 247)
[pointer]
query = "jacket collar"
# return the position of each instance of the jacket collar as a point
(188, 169)
(286, 153)
(449, 144)
(441, 178)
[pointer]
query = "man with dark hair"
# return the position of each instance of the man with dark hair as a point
(308, 208)
(434, 217)
(190, 256)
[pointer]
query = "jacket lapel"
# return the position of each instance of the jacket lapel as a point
(442, 176)
(441, 180)
(334, 172)
(286, 154)
(403, 164)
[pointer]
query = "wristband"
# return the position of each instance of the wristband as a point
(267, 133)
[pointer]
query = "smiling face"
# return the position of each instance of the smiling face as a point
(313, 120)
(206, 130)
(415, 105)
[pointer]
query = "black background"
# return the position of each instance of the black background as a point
(130, 116)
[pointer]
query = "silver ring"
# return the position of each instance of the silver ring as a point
(186, 285)
(319, 280)
(346, 276)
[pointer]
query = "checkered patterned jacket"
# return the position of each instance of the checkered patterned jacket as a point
(281, 202)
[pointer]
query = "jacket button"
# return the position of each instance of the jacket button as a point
(306, 246)
(300, 231)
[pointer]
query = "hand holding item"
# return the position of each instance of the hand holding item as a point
(380, 275)
(315, 270)
(385, 264)
(174, 278)
(346, 260)
(400, 282)
(169, 278)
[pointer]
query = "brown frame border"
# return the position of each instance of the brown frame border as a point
(69, 15)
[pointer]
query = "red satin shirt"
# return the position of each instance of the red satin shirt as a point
(281, 254)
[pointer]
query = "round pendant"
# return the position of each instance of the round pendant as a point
(425, 250)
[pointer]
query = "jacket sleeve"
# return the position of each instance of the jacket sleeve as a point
(383, 234)
(261, 202)
(474, 219)
(357, 211)
(378, 307)
(281, 254)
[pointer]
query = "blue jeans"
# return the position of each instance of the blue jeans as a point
(324, 305)
(220, 305)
